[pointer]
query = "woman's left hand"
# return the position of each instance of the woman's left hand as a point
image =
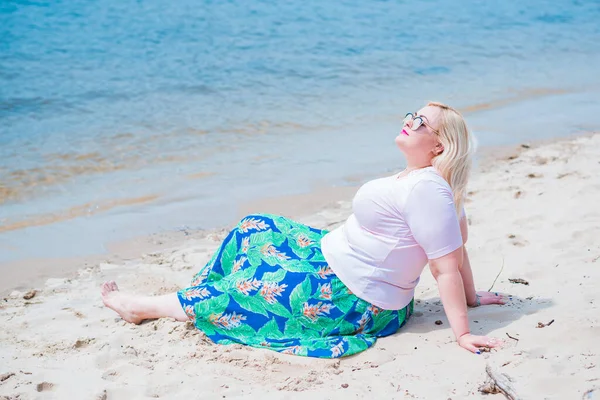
(487, 298)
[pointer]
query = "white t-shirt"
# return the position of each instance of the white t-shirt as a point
(397, 225)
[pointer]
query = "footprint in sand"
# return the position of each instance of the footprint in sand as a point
(102, 396)
(110, 375)
(83, 342)
(518, 242)
(76, 313)
(44, 386)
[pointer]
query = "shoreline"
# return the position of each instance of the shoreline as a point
(304, 207)
(531, 217)
(209, 197)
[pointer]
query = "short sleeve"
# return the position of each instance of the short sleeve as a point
(431, 217)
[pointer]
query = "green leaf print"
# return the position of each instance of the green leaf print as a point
(324, 324)
(276, 308)
(270, 330)
(274, 276)
(249, 303)
(306, 289)
(298, 228)
(214, 276)
(226, 342)
(244, 274)
(293, 329)
(197, 278)
(307, 239)
(300, 295)
(254, 256)
(380, 321)
(228, 255)
(261, 239)
(402, 314)
(230, 282)
(271, 260)
(278, 238)
(361, 306)
(242, 333)
(309, 328)
(301, 252)
(321, 343)
(297, 266)
(303, 351)
(283, 224)
(214, 305)
(345, 327)
(358, 343)
(224, 285)
(344, 303)
(206, 327)
(317, 256)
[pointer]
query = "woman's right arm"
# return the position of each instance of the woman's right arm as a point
(473, 297)
(465, 266)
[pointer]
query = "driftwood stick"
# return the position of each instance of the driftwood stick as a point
(493, 283)
(502, 383)
(513, 338)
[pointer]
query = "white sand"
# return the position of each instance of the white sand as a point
(63, 344)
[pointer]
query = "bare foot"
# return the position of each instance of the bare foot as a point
(122, 303)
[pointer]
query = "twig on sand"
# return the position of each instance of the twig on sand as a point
(493, 283)
(542, 325)
(498, 383)
(511, 337)
(5, 376)
(518, 280)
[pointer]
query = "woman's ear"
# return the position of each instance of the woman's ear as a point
(439, 149)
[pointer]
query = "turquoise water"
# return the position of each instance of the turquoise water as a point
(122, 118)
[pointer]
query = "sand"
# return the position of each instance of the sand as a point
(536, 213)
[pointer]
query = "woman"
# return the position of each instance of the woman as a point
(278, 284)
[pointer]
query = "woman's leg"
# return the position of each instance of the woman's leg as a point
(135, 309)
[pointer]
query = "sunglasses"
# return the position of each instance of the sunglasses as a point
(417, 122)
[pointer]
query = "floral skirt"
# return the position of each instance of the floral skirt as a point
(269, 286)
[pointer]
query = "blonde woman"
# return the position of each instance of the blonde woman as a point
(288, 287)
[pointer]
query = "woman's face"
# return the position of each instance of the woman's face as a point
(419, 144)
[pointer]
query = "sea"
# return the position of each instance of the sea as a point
(125, 118)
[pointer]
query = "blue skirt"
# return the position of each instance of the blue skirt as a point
(269, 286)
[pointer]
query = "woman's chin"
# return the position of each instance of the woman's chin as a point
(402, 144)
(400, 140)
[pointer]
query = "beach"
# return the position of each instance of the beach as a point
(534, 223)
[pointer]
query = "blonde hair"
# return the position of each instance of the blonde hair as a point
(454, 162)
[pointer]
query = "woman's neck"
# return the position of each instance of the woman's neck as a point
(413, 167)
(410, 169)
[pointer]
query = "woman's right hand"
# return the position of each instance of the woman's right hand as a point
(474, 343)
(486, 298)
